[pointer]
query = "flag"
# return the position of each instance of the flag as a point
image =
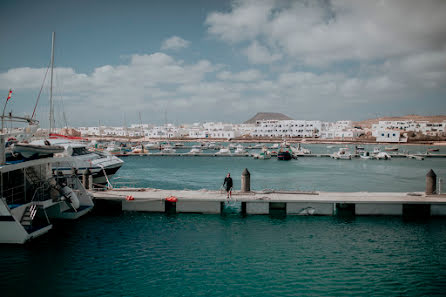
(9, 95)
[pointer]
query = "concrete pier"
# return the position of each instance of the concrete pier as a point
(288, 202)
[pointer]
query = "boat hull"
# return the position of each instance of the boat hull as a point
(284, 156)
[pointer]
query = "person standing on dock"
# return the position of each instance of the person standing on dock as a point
(228, 185)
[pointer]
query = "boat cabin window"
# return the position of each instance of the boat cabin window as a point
(79, 151)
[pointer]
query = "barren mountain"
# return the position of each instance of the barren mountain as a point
(267, 116)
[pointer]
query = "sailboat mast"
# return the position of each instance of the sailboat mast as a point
(140, 125)
(51, 83)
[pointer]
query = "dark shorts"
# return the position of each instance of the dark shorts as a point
(228, 188)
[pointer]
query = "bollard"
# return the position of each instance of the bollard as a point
(90, 182)
(246, 181)
(2, 150)
(431, 182)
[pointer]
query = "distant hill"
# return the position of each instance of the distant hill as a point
(267, 116)
(413, 117)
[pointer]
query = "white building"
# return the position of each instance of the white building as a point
(340, 130)
(287, 128)
(423, 127)
(389, 136)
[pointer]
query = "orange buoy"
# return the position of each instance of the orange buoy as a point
(172, 199)
(129, 197)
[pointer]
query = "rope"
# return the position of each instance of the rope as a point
(40, 92)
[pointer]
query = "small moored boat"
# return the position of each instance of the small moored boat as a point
(29, 150)
(284, 155)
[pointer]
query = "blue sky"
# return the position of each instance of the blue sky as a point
(225, 60)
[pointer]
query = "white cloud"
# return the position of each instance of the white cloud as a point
(320, 33)
(174, 43)
(247, 75)
(198, 91)
(259, 54)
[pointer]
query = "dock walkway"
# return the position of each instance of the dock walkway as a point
(266, 202)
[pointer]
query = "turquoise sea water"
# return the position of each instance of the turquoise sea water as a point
(307, 174)
(135, 254)
(139, 254)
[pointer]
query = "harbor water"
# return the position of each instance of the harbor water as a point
(142, 254)
(137, 254)
(305, 174)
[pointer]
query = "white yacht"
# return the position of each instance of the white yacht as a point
(263, 155)
(382, 156)
(240, 150)
(99, 164)
(342, 154)
(366, 156)
(195, 151)
(300, 151)
(168, 149)
(152, 145)
(32, 195)
(223, 151)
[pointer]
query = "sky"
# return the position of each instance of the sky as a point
(215, 60)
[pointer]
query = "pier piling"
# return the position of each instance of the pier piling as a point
(246, 181)
(431, 183)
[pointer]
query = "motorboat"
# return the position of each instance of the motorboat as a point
(433, 149)
(168, 150)
(366, 156)
(195, 151)
(179, 145)
(101, 165)
(284, 155)
(32, 197)
(152, 145)
(391, 149)
(376, 150)
(263, 155)
(342, 154)
(140, 149)
(240, 150)
(300, 151)
(224, 151)
(29, 150)
(275, 146)
(382, 156)
(284, 144)
(416, 157)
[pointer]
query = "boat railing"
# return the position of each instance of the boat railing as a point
(14, 195)
(42, 192)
